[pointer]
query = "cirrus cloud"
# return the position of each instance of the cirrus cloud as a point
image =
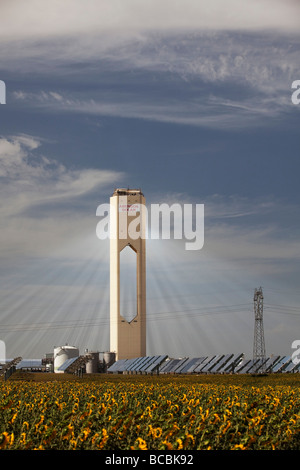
(39, 194)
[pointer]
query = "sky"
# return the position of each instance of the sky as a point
(189, 101)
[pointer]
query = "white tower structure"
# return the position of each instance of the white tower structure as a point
(128, 228)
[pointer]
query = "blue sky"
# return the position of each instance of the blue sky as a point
(190, 101)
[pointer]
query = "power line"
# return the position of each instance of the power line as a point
(151, 316)
(154, 316)
(284, 309)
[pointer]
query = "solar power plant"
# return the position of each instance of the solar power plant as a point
(270, 362)
(134, 363)
(203, 364)
(285, 363)
(291, 367)
(67, 363)
(158, 361)
(144, 364)
(281, 363)
(257, 366)
(190, 365)
(140, 364)
(211, 364)
(221, 363)
(242, 366)
(169, 365)
(29, 364)
(218, 364)
(178, 365)
(181, 365)
(117, 366)
(151, 364)
(252, 366)
(232, 363)
(124, 366)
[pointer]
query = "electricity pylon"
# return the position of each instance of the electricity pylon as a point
(259, 350)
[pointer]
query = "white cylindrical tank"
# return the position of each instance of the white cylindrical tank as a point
(62, 354)
(91, 366)
(109, 358)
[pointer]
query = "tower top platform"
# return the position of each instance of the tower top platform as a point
(127, 192)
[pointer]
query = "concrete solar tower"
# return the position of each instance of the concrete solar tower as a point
(127, 229)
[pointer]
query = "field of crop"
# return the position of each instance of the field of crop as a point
(41, 411)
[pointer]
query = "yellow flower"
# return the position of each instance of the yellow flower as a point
(73, 442)
(75, 408)
(104, 438)
(14, 417)
(26, 424)
(5, 440)
(226, 427)
(189, 437)
(40, 422)
(155, 432)
(180, 445)
(168, 445)
(142, 443)
(239, 447)
(69, 432)
(96, 435)
(217, 418)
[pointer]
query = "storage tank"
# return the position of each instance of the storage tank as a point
(109, 358)
(91, 366)
(62, 354)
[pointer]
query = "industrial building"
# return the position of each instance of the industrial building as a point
(92, 362)
(127, 353)
(218, 364)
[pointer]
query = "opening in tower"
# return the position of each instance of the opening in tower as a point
(128, 283)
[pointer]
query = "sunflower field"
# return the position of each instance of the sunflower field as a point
(148, 414)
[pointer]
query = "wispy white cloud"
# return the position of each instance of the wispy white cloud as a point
(38, 197)
(247, 42)
(221, 80)
(38, 179)
(38, 18)
(209, 111)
